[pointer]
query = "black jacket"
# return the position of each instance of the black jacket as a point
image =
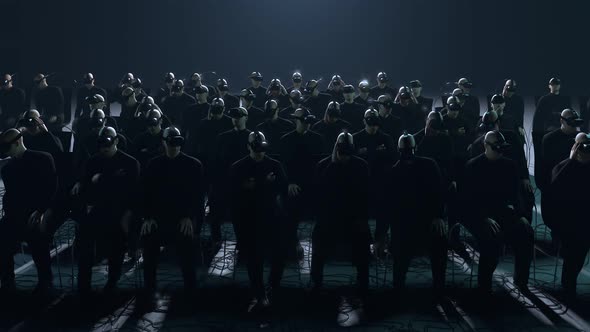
(30, 184)
(173, 188)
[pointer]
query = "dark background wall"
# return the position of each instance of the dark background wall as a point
(432, 40)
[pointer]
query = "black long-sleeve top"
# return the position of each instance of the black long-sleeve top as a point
(30, 184)
(232, 146)
(376, 91)
(116, 188)
(45, 142)
(256, 116)
(202, 142)
(460, 141)
(12, 102)
(440, 149)
(354, 114)
(412, 193)
(556, 148)
(317, 105)
(489, 187)
(173, 188)
(262, 197)
(147, 146)
(392, 126)
(330, 131)
(50, 101)
(300, 154)
(515, 111)
(175, 107)
(192, 117)
(471, 110)
(570, 181)
(273, 130)
(260, 93)
(515, 152)
(342, 190)
(411, 117)
(548, 112)
(378, 150)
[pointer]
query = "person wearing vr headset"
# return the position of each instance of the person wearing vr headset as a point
(107, 190)
(547, 114)
(570, 181)
(125, 82)
(49, 101)
(414, 213)
(257, 89)
(297, 80)
(389, 123)
(382, 87)
(300, 151)
(435, 143)
(295, 101)
(148, 144)
(12, 102)
(257, 181)
(424, 103)
(87, 147)
(378, 150)
(274, 127)
(176, 104)
(36, 135)
(407, 110)
(364, 94)
(526, 192)
(335, 89)
(195, 86)
(173, 209)
(255, 115)
(230, 100)
(197, 111)
(84, 94)
(166, 89)
(351, 111)
(514, 105)
(492, 212)
(129, 104)
(342, 189)
(276, 91)
(315, 100)
(231, 146)
(471, 107)
(490, 122)
(458, 128)
(30, 184)
(83, 124)
(331, 125)
(556, 147)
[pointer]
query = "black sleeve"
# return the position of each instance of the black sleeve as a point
(197, 202)
(539, 116)
(47, 185)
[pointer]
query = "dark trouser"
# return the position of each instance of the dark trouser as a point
(297, 208)
(218, 206)
(408, 242)
(187, 249)
(514, 231)
(12, 232)
(347, 236)
(261, 237)
(574, 251)
(100, 228)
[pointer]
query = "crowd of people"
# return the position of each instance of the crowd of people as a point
(273, 157)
